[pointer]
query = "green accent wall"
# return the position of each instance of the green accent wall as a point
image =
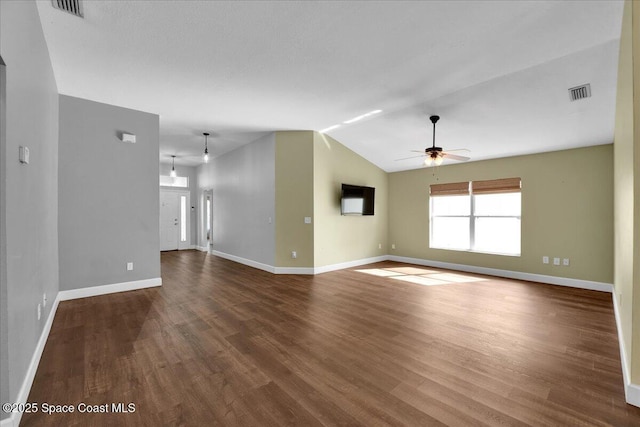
(294, 198)
(627, 188)
(567, 201)
(339, 238)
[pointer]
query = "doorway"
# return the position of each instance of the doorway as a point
(175, 220)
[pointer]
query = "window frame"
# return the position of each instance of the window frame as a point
(472, 217)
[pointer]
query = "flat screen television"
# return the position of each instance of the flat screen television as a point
(357, 200)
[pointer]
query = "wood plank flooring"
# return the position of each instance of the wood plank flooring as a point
(225, 344)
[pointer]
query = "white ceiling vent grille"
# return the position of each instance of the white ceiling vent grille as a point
(74, 7)
(580, 92)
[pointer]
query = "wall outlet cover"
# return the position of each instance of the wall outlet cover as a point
(545, 260)
(556, 261)
(565, 261)
(129, 266)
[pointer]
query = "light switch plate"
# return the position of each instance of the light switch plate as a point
(307, 220)
(556, 261)
(23, 155)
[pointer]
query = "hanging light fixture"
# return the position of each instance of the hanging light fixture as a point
(173, 173)
(205, 157)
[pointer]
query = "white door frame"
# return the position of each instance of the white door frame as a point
(180, 192)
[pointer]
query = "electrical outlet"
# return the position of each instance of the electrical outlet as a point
(129, 266)
(565, 262)
(44, 300)
(545, 260)
(39, 311)
(379, 245)
(556, 261)
(307, 220)
(393, 246)
(294, 254)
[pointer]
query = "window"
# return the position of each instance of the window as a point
(178, 181)
(478, 216)
(183, 218)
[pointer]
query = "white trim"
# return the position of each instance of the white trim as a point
(298, 270)
(201, 248)
(552, 280)
(93, 291)
(623, 353)
(295, 270)
(245, 261)
(27, 382)
(631, 390)
(632, 394)
(23, 394)
(349, 264)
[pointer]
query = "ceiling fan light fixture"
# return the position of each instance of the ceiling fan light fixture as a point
(438, 160)
(427, 161)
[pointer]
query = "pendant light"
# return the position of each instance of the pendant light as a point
(205, 157)
(173, 173)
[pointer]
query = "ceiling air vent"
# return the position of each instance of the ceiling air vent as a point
(74, 7)
(579, 92)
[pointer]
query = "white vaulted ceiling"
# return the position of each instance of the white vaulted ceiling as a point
(497, 72)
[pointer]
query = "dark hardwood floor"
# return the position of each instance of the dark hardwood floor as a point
(222, 343)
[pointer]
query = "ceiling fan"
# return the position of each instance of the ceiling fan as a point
(434, 155)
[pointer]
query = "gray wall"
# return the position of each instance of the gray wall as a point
(108, 194)
(243, 184)
(31, 192)
(192, 173)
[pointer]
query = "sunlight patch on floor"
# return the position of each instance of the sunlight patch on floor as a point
(421, 276)
(421, 280)
(378, 272)
(456, 278)
(412, 270)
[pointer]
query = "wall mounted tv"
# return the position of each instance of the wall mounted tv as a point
(357, 200)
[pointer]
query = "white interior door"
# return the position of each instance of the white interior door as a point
(169, 221)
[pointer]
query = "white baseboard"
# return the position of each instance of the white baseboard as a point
(552, 280)
(27, 382)
(109, 289)
(245, 261)
(298, 270)
(295, 270)
(631, 391)
(632, 394)
(23, 394)
(201, 248)
(349, 264)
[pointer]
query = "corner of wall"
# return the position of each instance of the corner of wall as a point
(294, 199)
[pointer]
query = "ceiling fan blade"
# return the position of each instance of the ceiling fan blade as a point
(418, 151)
(455, 157)
(407, 158)
(459, 149)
